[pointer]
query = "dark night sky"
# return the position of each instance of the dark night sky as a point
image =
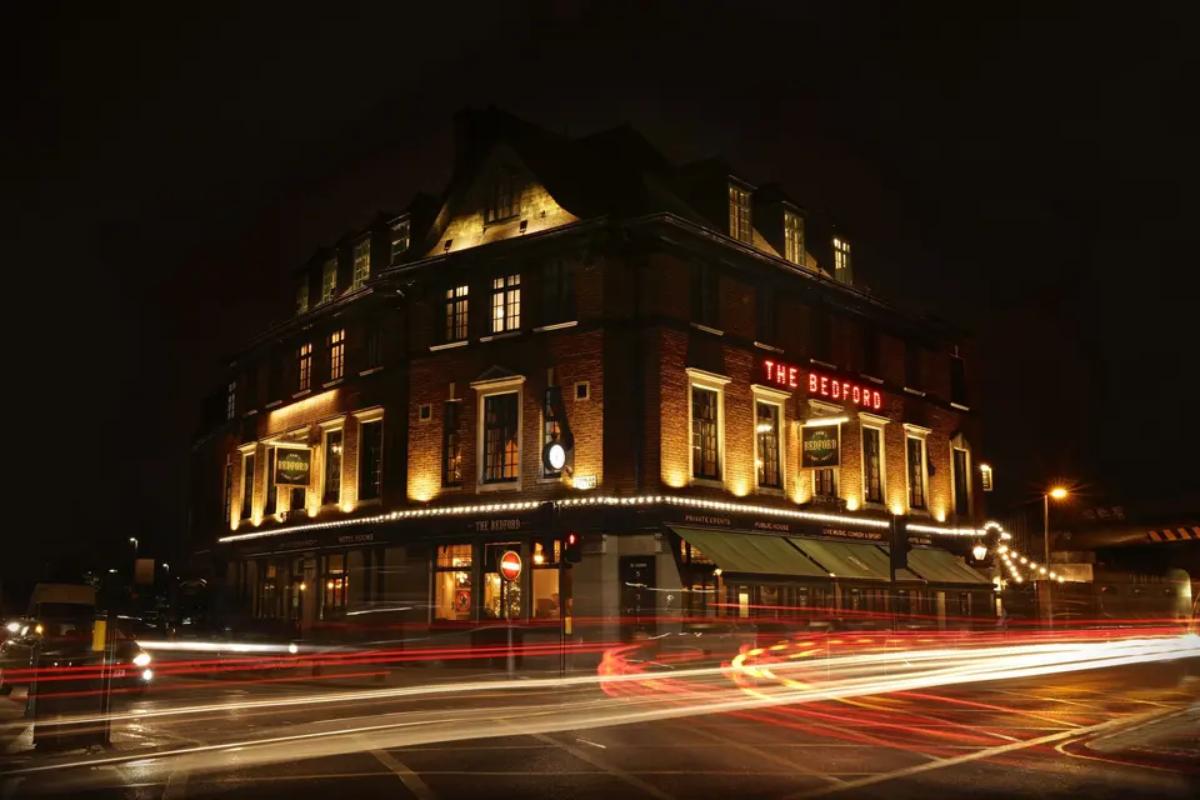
(1024, 177)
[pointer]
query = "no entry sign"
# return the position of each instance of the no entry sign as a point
(510, 565)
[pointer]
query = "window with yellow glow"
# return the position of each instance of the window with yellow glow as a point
(337, 354)
(362, 264)
(304, 367)
(506, 303)
(739, 214)
(793, 237)
(455, 312)
(452, 599)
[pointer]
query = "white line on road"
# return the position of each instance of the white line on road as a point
(411, 780)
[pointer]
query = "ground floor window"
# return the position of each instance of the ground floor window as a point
(452, 597)
(501, 598)
(545, 576)
(335, 585)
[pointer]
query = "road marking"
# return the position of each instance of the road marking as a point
(24, 739)
(411, 780)
(979, 754)
(589, 741)
(589, 758)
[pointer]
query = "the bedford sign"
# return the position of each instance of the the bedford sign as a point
(293, 466)
(820, 385)
(819, 446)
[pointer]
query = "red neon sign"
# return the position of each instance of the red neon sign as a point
(820, 385)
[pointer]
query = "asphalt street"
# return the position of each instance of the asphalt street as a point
(1122, 732)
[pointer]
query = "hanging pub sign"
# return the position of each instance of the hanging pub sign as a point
(293, 466)
(788, 376)
(820, 446)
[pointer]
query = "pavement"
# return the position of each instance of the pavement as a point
(1126, 731)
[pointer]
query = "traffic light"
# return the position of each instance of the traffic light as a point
(898, 545)
(572, 548)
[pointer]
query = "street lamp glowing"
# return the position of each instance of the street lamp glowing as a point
(979, 551)
(1058, 493)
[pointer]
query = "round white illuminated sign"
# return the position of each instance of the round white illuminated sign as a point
(556, 456)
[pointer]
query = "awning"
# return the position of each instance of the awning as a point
(751, 553)
(847, 559)
(941, 566)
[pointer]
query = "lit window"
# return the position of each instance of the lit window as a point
(452, 598)
(329, 279)
(501, 445)
(335, 584)
(872, 442)
(247, 485)
(231, 400)
(739, 214)
(455, 313)
(362, 264)
(332, 493)
(766, 436)
(706, 459)
(304, 370)
(400, 240)
(302, 295)
(504, 202)
(916, 472)
(545, 579)
(841, 259)
(506, 303)
(501, 598)
(793, 237)
(452, 451)
(337, 354)
(370, 460)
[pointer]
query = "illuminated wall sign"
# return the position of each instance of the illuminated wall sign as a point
(819, 446)
(293, 466)
(819, 385)
(985, 472)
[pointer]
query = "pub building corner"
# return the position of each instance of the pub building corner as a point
(552, 403)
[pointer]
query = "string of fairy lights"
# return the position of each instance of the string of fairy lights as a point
(615, 501)
(1015, 562)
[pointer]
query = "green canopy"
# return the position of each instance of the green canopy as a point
(851, 560)
(941, 566)
(742, 552)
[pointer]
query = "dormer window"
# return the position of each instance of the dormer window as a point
(739, 213)
(329, 279)
(400, 239)
(793, 237)
(362, 264)
(504, 200)
(841, 260)
(302, 296)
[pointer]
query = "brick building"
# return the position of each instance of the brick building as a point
(743, 427)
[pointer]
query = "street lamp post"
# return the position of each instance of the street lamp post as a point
(1058, 493)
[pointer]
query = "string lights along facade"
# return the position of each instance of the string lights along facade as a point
(686, 379)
